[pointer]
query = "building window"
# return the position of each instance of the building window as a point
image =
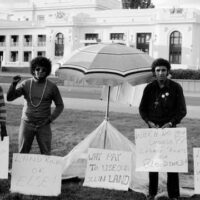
(59, 45)
(40, 18)
(41, 53)
(2, 40)
(13, 56)
(92, 37)
(27, 56)
(117, 36)
(41, 40)
(14, 40)
(1, 57)
(126, 4)
(175, 45)
(27, 40)
(143, 41)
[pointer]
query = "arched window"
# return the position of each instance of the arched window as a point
(175, 45)
(59, 45)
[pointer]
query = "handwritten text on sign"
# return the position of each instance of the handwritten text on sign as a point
(4, 149)
(35, 174)
(108, 169)
(196, 155)
(161, 150)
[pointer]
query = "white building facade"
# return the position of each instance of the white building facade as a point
(55, 28)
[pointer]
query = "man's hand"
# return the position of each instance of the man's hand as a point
(16, 79)
(151, 125)
(3, 131)
(167, 125)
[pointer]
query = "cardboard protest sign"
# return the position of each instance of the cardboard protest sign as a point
(108, 169)
(34, 174)
(161, 150)
(4, 152)
(196, 158)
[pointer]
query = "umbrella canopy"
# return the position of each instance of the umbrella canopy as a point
(107, 64)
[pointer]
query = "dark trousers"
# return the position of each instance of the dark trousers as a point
(172, 184)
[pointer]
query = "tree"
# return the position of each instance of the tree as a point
(134, 4)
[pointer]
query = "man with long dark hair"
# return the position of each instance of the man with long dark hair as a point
(38, 92)
(163, 106)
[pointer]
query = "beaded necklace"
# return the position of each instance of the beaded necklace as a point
(37, 105)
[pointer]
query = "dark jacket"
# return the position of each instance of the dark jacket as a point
(163, 105)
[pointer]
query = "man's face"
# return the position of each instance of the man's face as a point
(40, 73)
(161, 73)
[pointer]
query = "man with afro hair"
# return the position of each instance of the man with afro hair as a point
(38, 92)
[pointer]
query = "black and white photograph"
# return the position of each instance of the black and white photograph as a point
(100, 99)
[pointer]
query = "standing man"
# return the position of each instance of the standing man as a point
(38, 92)
(2, 114)
(163, 106)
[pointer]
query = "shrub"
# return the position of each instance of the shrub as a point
(185, 74)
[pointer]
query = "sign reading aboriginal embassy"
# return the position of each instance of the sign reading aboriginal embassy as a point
(161, 150)
(108, 169)
(35, 174)
(4, 151)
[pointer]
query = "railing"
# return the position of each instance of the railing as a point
(2, 44)
(27, 44)
(41, 44)
(14, 44)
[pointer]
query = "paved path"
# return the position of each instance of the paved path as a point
(90, 101)
(99, 105)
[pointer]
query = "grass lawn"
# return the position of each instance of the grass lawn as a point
(72, 127)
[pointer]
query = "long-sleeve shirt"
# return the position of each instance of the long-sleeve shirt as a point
(163, 105)
(37, 106)
(2, 107)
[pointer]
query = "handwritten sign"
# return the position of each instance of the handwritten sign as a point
(108, 169)
(4, 151)
(196, 158)
(161, 150)
(34, 174)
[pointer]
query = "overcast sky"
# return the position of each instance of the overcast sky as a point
(157, 3)
(7, 3)
(12, 1)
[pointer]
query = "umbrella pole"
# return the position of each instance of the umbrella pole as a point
(107, 116)
(105, 136)
(108, 105)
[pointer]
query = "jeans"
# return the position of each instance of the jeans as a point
(43, 135)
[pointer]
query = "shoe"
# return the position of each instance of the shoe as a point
(150, 197)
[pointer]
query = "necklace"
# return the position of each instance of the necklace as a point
(37, 105)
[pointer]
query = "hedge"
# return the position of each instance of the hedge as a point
(185, 74)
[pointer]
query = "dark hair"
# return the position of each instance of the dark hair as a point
(160, 62)
(40, 61)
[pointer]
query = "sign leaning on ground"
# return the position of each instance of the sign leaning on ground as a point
(161, 150)
(108, 169)
(196, 158)
(35, 174)
(4, 151)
